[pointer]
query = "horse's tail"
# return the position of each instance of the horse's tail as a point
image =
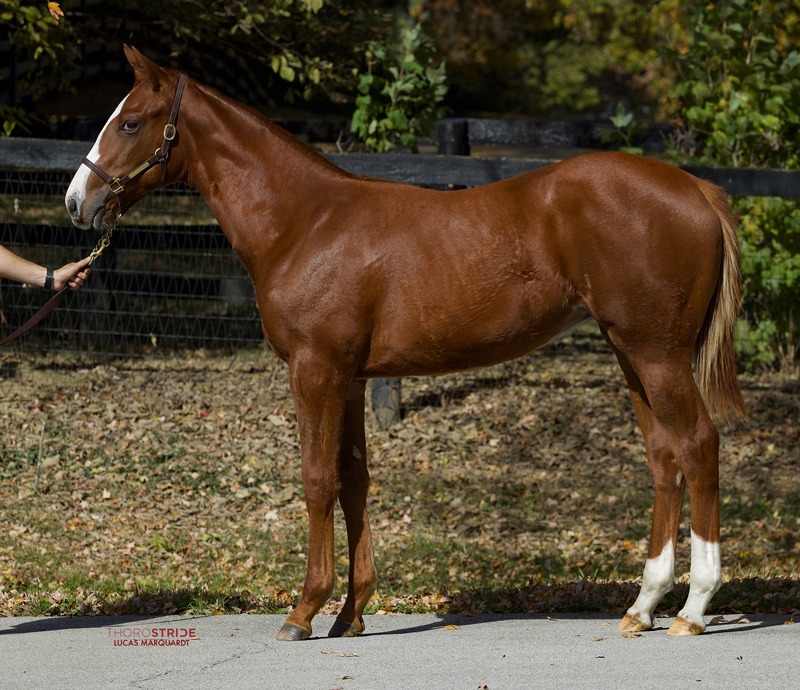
(715, 359)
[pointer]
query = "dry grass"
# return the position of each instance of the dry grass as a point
(173, 485)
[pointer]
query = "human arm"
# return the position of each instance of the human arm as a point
(15, 267)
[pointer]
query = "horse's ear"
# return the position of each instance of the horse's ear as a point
(144, 68)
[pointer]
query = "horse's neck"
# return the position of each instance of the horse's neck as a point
(253, 175)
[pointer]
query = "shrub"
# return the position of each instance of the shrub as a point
(400, 93)
(738, 104)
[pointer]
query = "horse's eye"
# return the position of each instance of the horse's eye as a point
(129, 126)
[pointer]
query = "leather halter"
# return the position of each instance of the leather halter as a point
(117, 184)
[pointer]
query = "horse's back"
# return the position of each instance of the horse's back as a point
(450, 280)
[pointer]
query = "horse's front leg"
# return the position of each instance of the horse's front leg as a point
(354, 475)
(319, 392)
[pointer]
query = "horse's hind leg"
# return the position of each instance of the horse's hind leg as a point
(354, 477)
(682, 449)
(669, 489)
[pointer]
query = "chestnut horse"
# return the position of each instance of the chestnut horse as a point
(358, 278)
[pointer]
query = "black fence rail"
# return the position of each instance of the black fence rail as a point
(454, 169)
(172, 281)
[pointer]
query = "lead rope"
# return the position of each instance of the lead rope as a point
(48, 306)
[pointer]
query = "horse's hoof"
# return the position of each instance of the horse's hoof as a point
(292, 633)
(683, 626)
(342, 629)
(633, 624)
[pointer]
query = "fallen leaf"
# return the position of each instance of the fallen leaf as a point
(55, 10)
(718, 620)
(631, 635)
(348, 654)
(452, 627)
(598, 639)
(743, 620)
(552, 619)
(789, 622)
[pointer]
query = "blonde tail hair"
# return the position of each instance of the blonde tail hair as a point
(715, 359)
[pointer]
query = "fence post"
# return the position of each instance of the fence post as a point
(452, 136)
(386, 401)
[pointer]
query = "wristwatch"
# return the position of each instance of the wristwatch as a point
(48, 280)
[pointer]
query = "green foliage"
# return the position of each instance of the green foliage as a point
(304, 46)
(36, 36)
(738, 102)
(552, 57)
(738, 91)
(768, 332)
(400, 94)
(564, 75)
(625, 129)
(277, 34)
(300, 49)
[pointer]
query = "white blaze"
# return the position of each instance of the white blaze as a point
(77, 188)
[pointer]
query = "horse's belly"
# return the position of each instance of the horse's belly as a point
(439, 341)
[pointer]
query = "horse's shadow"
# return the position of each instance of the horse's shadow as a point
(475, 607)
(589, 600)
(60, 623)
(137, 608)
(731, 624)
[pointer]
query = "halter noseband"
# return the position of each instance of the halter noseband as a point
(117, 184)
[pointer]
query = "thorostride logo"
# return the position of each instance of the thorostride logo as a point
(152, 636)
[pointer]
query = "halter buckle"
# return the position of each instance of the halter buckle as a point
(116, 186)
(169, 132)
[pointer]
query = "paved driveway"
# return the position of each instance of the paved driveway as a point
(397, 651)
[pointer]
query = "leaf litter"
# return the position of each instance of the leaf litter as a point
(170, 485)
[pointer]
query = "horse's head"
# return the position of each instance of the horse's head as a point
(129, 158)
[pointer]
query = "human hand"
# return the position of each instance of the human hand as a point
(73, 274)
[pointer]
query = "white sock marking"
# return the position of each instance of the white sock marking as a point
(705, 578)
(656, 582)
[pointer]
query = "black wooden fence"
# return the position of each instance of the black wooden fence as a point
(171, 280)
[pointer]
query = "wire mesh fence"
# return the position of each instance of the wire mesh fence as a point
(169, 280)
(169, 283)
